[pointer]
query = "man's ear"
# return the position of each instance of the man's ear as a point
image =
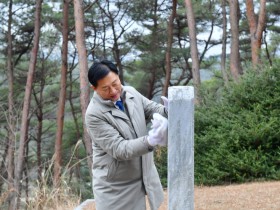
(92, 87)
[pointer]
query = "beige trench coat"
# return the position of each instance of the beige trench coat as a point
(123, 166)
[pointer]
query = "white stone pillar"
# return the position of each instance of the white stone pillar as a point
(181, 148)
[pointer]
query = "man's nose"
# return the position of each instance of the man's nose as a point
(113, 90)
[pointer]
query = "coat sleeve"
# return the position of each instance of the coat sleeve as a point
(110, 141)
(151, 107)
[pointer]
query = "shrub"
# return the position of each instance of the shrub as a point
(237, 135)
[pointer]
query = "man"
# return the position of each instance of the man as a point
(123, 166)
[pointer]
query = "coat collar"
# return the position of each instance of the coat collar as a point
(128, 100)
(109, 106)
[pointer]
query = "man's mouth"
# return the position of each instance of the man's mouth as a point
(115, 97)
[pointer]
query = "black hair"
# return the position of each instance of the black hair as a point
(99, 70)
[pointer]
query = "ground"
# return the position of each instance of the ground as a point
(250, 196)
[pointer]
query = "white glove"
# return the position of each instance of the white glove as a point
(165, 102)
(159, 133)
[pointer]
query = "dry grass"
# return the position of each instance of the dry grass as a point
(5, 195)
(51, 198)
(251, 196)
(42, 194)
(48, 198)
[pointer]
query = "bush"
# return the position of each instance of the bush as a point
(161, 164)
(237, 135)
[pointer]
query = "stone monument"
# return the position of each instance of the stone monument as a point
(181, 148)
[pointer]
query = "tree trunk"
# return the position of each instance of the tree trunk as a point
(194, 50)
(3, 168)
(84, 87)
(211, 31)
(78, 133)
(186, 69)
(39, 138)
(118, 61)
(26, 175)
(11, 118)
(257, 27)
(266, 49)
(62, 97)
(168, 49)
(40, 117)
(235, 63)
(26, 107)
(224, 44)
(153, 46)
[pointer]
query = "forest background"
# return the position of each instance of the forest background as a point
(227, 50)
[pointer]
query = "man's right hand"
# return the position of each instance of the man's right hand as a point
(159, 133)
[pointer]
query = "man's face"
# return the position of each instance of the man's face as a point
(109, 88)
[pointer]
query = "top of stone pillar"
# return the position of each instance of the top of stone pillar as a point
(180, 92)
